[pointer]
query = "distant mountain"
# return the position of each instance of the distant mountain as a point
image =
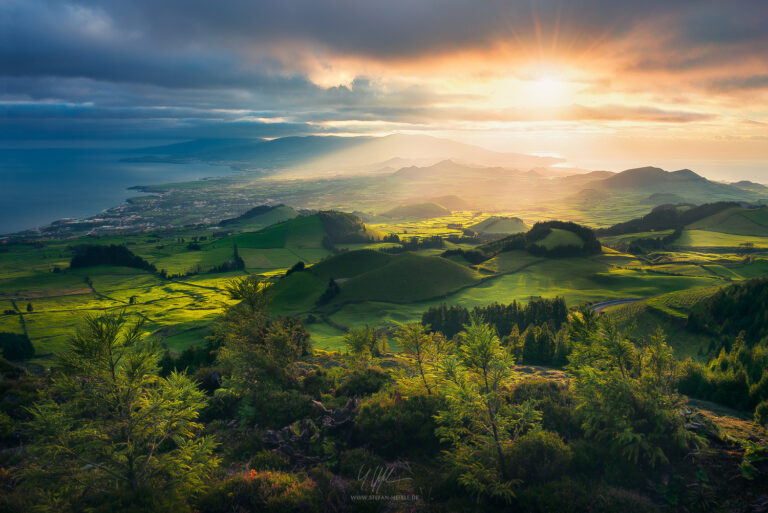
(653, 177)
(418, 210)
(337, 155)
(746, 184)
(451, 202)
(685, 183)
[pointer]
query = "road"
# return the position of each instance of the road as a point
(599, 307)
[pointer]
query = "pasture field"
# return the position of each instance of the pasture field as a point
(708, 239)
(375, 288)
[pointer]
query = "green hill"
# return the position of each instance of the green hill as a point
(736, 221)
(304, 232)
(301, 232)
(500, 225)
(350, 264)
(408, 277)
(417, 210)
(260, 217)
(558, 238)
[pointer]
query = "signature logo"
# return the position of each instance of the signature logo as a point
(375, 478)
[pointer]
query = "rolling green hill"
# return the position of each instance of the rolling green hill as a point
(500, 225)
(350, 264)
(260, 217)
(408, 277)
(560, 238)
(736, 221)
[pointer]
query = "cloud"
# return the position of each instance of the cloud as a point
(187, 66)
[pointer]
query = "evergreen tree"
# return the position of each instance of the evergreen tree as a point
(120, 438)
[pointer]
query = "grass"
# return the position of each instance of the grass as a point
(559, 238)
(709, 239)
(406, 278)
(736, 221)
(500, 225)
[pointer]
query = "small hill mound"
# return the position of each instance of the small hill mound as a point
(408, 277)
(550, 239)
(500, 225)
(300, 232)
(558, 238)
(350, 264)
(665, 198)
(417, 210)
(342, 227)
(312, 231)
(736, 221)
(260, 217)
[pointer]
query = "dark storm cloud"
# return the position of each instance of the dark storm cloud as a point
(100, 62)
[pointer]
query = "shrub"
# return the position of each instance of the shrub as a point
(15, 346)
(400, 427)
(363, 382)
(553, 399)
(761, 413)
(269, 460)
(267, 492)
(275, 408)
(539, 456)
(354, 462)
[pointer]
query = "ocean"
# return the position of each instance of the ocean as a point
(39, 186)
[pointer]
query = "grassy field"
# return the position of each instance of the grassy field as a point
(558, 238)
(710, 239)
(376, 288)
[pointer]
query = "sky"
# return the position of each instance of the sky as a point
(605, 84)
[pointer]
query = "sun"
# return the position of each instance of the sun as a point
(547, 91)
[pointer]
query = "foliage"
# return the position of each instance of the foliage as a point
(265, 491)
(121, 436)
(539, 456)
(666, 217)
(425, 348)
(363, 381)
(479, 424)
(504, 318)
(739, 307)
(251, 291)
(256, 351)
(737, 378)
(365, 342)
(399, 427)
(113, 254)
(16, 346)
(626, 395)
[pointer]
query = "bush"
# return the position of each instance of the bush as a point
(269, 460)
(539, 456)
(15, 346)
(275, 408)
(267, 492)
(400, 427)
(569, 496)
(761, 413)
(554, 400)
(356, 462)
(363, 382)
